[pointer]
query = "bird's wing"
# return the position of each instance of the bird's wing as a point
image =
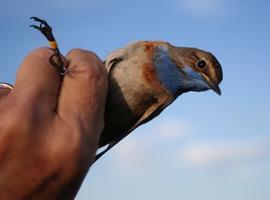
(112, 61)
(152, 112)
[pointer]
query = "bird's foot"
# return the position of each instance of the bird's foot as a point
(46, 30)
(57, 62)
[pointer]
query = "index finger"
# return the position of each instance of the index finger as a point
(83, 91)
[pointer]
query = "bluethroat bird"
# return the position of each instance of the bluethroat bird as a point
(144, 78)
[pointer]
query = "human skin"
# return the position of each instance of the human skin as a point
(50, 126)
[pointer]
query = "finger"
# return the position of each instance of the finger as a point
(84, 89)
(5, 89)
(37, 82)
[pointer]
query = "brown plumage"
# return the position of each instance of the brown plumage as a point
(145, 77)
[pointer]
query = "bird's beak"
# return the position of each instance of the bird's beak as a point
(212, 85)
(215, 87)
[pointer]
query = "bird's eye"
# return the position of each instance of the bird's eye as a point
(201, 64)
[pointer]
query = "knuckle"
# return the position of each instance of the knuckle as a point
(93, 71)
(94, 56)
(88, 64)
(74, 52)
(77, 52)
(43, 52)
(39, 57)
(82, 55)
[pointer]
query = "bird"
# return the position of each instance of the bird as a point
(143, 79)
(147, 76)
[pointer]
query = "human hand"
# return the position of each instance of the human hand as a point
(50, 127)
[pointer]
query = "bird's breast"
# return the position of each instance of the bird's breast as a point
(135, 84)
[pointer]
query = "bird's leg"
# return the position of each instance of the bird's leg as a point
(46, 30)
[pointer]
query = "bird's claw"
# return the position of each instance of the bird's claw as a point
(42, 22)
(44, 28)
(34, 26)
(36, 19)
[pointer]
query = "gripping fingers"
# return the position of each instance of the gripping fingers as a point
(5, 88)
(57, 62)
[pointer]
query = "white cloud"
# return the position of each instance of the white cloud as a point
(224, 153)
(202, 8)
(157, 142)
(134, 156)
(141, 155)
(171, 129)
(141, 152)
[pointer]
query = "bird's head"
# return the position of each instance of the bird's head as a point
(178, 69)
(182, 69)
(200, 70)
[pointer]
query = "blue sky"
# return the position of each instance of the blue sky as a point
(203, 146)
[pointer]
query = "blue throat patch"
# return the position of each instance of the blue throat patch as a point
(175, 80)
(167, 72)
